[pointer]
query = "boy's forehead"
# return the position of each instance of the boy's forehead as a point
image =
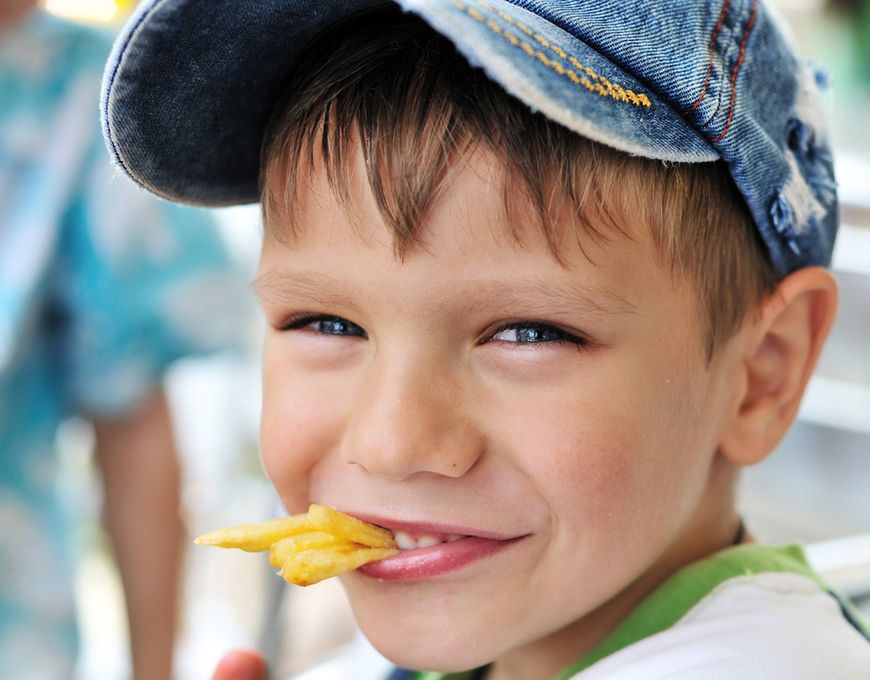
(477, 204)
(468, 235)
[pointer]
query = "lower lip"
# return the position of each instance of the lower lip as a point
(434, 561)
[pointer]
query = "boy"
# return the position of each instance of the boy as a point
(531, 317)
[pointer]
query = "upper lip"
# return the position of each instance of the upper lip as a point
(433, 528)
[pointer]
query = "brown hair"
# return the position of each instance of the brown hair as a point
(390, 84)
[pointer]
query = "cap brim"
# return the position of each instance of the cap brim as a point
(190, 87)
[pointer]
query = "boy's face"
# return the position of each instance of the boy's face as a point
(561, 415)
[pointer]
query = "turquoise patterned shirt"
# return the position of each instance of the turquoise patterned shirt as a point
(101, 287)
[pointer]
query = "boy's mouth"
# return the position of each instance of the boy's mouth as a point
(431, 550)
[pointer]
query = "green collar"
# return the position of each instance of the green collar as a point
(682, 591)
(676, 596)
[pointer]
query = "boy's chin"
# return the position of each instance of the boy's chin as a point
(407, 653)
(425, 643)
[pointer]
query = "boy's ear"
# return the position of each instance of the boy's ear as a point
(782, 347)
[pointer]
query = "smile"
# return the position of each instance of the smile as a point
(427, 553)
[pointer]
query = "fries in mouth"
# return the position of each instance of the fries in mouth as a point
(310, 547)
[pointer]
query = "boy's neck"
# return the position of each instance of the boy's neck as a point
(714, 527)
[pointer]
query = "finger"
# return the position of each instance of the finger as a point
(241, 664)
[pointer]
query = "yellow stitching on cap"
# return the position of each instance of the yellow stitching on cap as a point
(559, 51)
(509, 19)
(593, 83)
(541, 39)
(602, 86)
(617, 88)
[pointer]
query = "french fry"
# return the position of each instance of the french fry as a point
(349, 529)
(284, 549)
(257, 537)
(311, 566)
(310, 547)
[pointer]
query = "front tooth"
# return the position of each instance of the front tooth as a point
(404, 540)
(427, 541)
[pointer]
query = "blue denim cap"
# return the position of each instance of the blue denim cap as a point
(191, 84)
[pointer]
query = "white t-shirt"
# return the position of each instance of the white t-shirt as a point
(770, 626)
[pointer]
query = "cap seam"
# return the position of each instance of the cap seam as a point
(747, 30)
(714, 35)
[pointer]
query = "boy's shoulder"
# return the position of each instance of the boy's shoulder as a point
(749, 612)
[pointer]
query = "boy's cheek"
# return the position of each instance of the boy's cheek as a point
(297, 429)
(624, 462)
(597, 477)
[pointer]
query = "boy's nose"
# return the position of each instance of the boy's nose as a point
(411, 421)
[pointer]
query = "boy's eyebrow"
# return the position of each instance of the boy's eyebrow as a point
(316, 287)
(574, 296)
(272, 286)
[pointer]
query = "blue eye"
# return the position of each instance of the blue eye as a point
(530, 333)
(328, 325)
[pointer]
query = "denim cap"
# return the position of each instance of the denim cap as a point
(191, 84)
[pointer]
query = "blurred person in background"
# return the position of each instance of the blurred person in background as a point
(101, 287)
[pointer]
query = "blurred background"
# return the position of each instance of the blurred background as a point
(814, 489)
